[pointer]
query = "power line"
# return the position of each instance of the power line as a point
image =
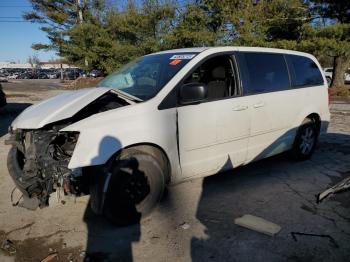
(14, 6)
(12, 21)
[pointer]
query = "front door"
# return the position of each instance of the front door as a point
(213, 135)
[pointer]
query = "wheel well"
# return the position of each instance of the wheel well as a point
(316, 119)
(158, 153)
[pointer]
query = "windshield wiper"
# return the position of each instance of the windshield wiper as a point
(127, 95)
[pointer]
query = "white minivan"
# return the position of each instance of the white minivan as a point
(165, 118)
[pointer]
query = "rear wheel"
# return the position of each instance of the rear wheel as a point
(136, 185)
(305, 140)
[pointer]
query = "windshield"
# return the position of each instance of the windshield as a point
(146, 76)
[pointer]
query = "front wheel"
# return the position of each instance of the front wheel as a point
(305, 140)
(136, 185)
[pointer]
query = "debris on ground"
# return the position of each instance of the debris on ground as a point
(341, 186)
(331, 239)
(258, 224)
(185, 226)
(50, 257)
(82, 82)
(9, 247)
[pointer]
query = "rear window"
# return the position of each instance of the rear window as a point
(304, 71)
(264, 72)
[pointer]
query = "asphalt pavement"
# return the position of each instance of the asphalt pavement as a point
(195, 220)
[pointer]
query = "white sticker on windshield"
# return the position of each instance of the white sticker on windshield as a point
(185, 56)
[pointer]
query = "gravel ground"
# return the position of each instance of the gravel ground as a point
(195, 221)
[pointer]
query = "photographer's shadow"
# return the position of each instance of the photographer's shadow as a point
(106, 241)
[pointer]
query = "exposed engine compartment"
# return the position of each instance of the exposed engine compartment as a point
(38, 161)
(42, 157)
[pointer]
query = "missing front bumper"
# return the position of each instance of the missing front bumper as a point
(38, 164)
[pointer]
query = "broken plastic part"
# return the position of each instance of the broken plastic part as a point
(331, 239)
(258, 224)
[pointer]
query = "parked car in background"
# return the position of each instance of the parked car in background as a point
(43, 75)
(13, 76)
(2, 98)
(328, 72)
(95, 73)
(38, 73)
(53, 75)
(70, 74)
(3, 78)
(165, 118)
(82, 73)
(28, 75)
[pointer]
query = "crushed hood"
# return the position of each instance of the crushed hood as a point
(57, 108)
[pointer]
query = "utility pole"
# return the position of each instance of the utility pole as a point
(61, 66)
(80, 16)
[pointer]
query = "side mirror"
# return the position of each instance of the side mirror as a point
(193, 93)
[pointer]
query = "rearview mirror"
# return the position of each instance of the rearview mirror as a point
(193, 93)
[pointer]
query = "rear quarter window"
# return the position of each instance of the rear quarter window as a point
(263, 72)
(304, 71)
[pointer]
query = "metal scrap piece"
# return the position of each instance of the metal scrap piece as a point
(339, 187)
(9, 247)
(50, 257)
(331, 239)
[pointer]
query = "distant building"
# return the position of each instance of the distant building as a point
(54, 64)
(42, 65)
(14, 65)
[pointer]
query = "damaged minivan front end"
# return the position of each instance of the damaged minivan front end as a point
(39, 158)
(38, 163)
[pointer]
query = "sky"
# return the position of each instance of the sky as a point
(16, 38)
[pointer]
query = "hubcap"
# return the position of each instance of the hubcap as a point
(307, 140)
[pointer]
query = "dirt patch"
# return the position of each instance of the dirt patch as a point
(37, 249)
(16, 95)
(83, 82)
(340, 91)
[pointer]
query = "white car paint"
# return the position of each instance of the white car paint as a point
(213, 140)
(212, 136)
(56, 108)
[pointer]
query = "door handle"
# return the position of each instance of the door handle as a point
(260, 104)
(240, 108)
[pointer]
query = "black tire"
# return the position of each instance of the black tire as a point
(25, 185)
(329, 80)
(305, 140)
(136, 185)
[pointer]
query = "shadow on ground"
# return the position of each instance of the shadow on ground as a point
(282, 191)
(278, 189)
(113, 193)
(8, 114)
(107, 242)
